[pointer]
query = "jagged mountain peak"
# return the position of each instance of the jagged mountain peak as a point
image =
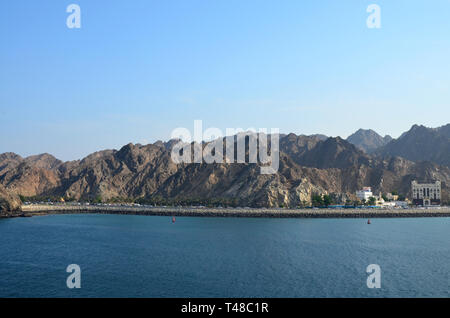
(444, 130)
(10, 156)
(368, 140)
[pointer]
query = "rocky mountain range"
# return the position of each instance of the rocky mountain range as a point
(308, 165)
(421, 144)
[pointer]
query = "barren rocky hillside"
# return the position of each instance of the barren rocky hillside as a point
(308, 164)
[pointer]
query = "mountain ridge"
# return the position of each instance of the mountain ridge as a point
(421, 143)
(308, 165)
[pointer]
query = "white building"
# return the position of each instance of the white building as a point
(395, 204)
(426, 194)
(364, 194)
(402, 204)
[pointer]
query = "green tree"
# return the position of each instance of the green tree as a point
(316, 200)
(98, 199)
(372, 201)
(327, 200)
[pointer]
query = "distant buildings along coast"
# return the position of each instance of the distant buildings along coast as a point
(423, 194)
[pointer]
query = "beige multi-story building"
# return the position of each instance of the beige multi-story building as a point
(426, 194)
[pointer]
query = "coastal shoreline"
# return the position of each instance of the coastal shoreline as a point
(47, 209)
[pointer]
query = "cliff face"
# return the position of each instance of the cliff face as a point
(9, 202)
(308, 164)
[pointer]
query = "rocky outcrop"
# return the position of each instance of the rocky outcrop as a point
(9, 202)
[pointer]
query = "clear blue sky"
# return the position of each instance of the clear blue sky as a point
(138, 69)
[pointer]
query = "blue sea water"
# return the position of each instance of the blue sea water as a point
(149, 256)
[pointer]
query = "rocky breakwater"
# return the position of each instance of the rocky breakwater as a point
(235, 212)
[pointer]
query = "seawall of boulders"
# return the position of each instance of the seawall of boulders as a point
(29, 210)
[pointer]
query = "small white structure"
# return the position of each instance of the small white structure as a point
(391, 197)
(364, 194)
(401, 204)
